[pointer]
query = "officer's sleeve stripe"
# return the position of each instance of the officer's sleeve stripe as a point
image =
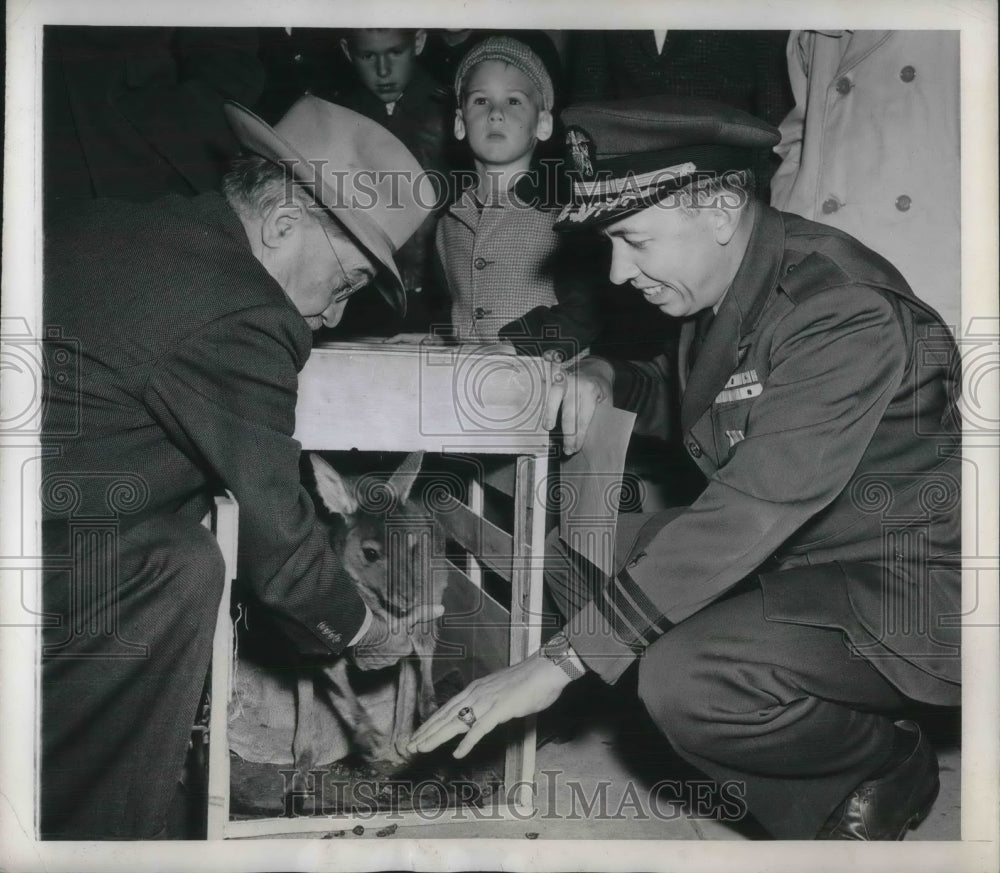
(633, 592)
(624, 633)
(627, 624)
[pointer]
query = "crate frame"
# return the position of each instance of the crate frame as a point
(408, 399)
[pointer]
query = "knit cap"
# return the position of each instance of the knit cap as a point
(513, 52)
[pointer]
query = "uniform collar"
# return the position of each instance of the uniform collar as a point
(751, 288)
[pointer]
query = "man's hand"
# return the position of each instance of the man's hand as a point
(577, 391)
(519, 690)
(389, 637)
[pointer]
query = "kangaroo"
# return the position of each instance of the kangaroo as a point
(385, 543)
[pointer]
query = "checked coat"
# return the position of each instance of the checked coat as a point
(821, 410)
(511, 277)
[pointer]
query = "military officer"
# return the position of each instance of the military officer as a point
(785, 618)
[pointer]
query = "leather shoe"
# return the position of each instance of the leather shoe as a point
(885, 806)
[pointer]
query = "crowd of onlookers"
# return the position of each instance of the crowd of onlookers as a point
(136, 113)
(869, 124)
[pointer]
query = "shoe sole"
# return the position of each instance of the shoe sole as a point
(922, 812)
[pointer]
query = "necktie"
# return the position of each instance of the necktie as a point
(702, 323)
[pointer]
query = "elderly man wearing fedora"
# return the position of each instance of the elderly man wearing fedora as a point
(785, 620)
(187, 321)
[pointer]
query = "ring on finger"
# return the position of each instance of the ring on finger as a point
(467, 716)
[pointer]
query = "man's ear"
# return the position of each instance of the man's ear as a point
(725, 220)
(459, 125)
(282, 221)
(419, 39)
(543, 130)
(345, 47)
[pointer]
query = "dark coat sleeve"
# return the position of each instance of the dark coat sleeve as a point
(573, 323)
(650, 390)
(227, 397)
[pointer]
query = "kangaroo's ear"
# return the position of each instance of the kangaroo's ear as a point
(402, 480)
(333, 490)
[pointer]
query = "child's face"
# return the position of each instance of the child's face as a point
(384, 59)
(501, 114)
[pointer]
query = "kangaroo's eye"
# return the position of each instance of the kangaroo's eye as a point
(371, 555)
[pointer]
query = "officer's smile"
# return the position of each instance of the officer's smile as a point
(653, 293)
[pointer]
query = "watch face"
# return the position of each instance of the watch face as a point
(556, 649)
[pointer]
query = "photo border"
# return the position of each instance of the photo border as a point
(20, 531)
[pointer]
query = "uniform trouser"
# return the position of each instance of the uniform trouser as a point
(783, 713)
(122, 677)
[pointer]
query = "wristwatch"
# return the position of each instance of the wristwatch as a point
(559, 652)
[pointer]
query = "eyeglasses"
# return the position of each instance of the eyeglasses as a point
(349, 288)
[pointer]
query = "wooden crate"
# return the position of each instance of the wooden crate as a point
(373, 397)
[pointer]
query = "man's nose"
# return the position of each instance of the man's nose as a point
(382, 66)
(333, 313)
(622, 268)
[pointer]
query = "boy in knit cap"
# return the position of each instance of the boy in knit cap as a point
(510, 277)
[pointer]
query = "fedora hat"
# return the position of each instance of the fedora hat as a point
(355, 168)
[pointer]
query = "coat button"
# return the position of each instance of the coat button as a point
(830, 205)
(480, 312)
(907, 74)
(694, 449)
(844, 85)
(903, 203)
(479, 263)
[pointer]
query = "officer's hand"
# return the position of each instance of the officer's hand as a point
(522, 689)
(388, 638)
(577, 391)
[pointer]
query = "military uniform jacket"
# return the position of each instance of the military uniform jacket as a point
(821, 410)
(187, 355)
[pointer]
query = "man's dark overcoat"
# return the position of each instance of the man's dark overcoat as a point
(189, 355)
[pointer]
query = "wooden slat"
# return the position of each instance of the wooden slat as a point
(525, 610)
(475, 569)
(474, 635)
(502, 478)
(489, 544)
(225, 523)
